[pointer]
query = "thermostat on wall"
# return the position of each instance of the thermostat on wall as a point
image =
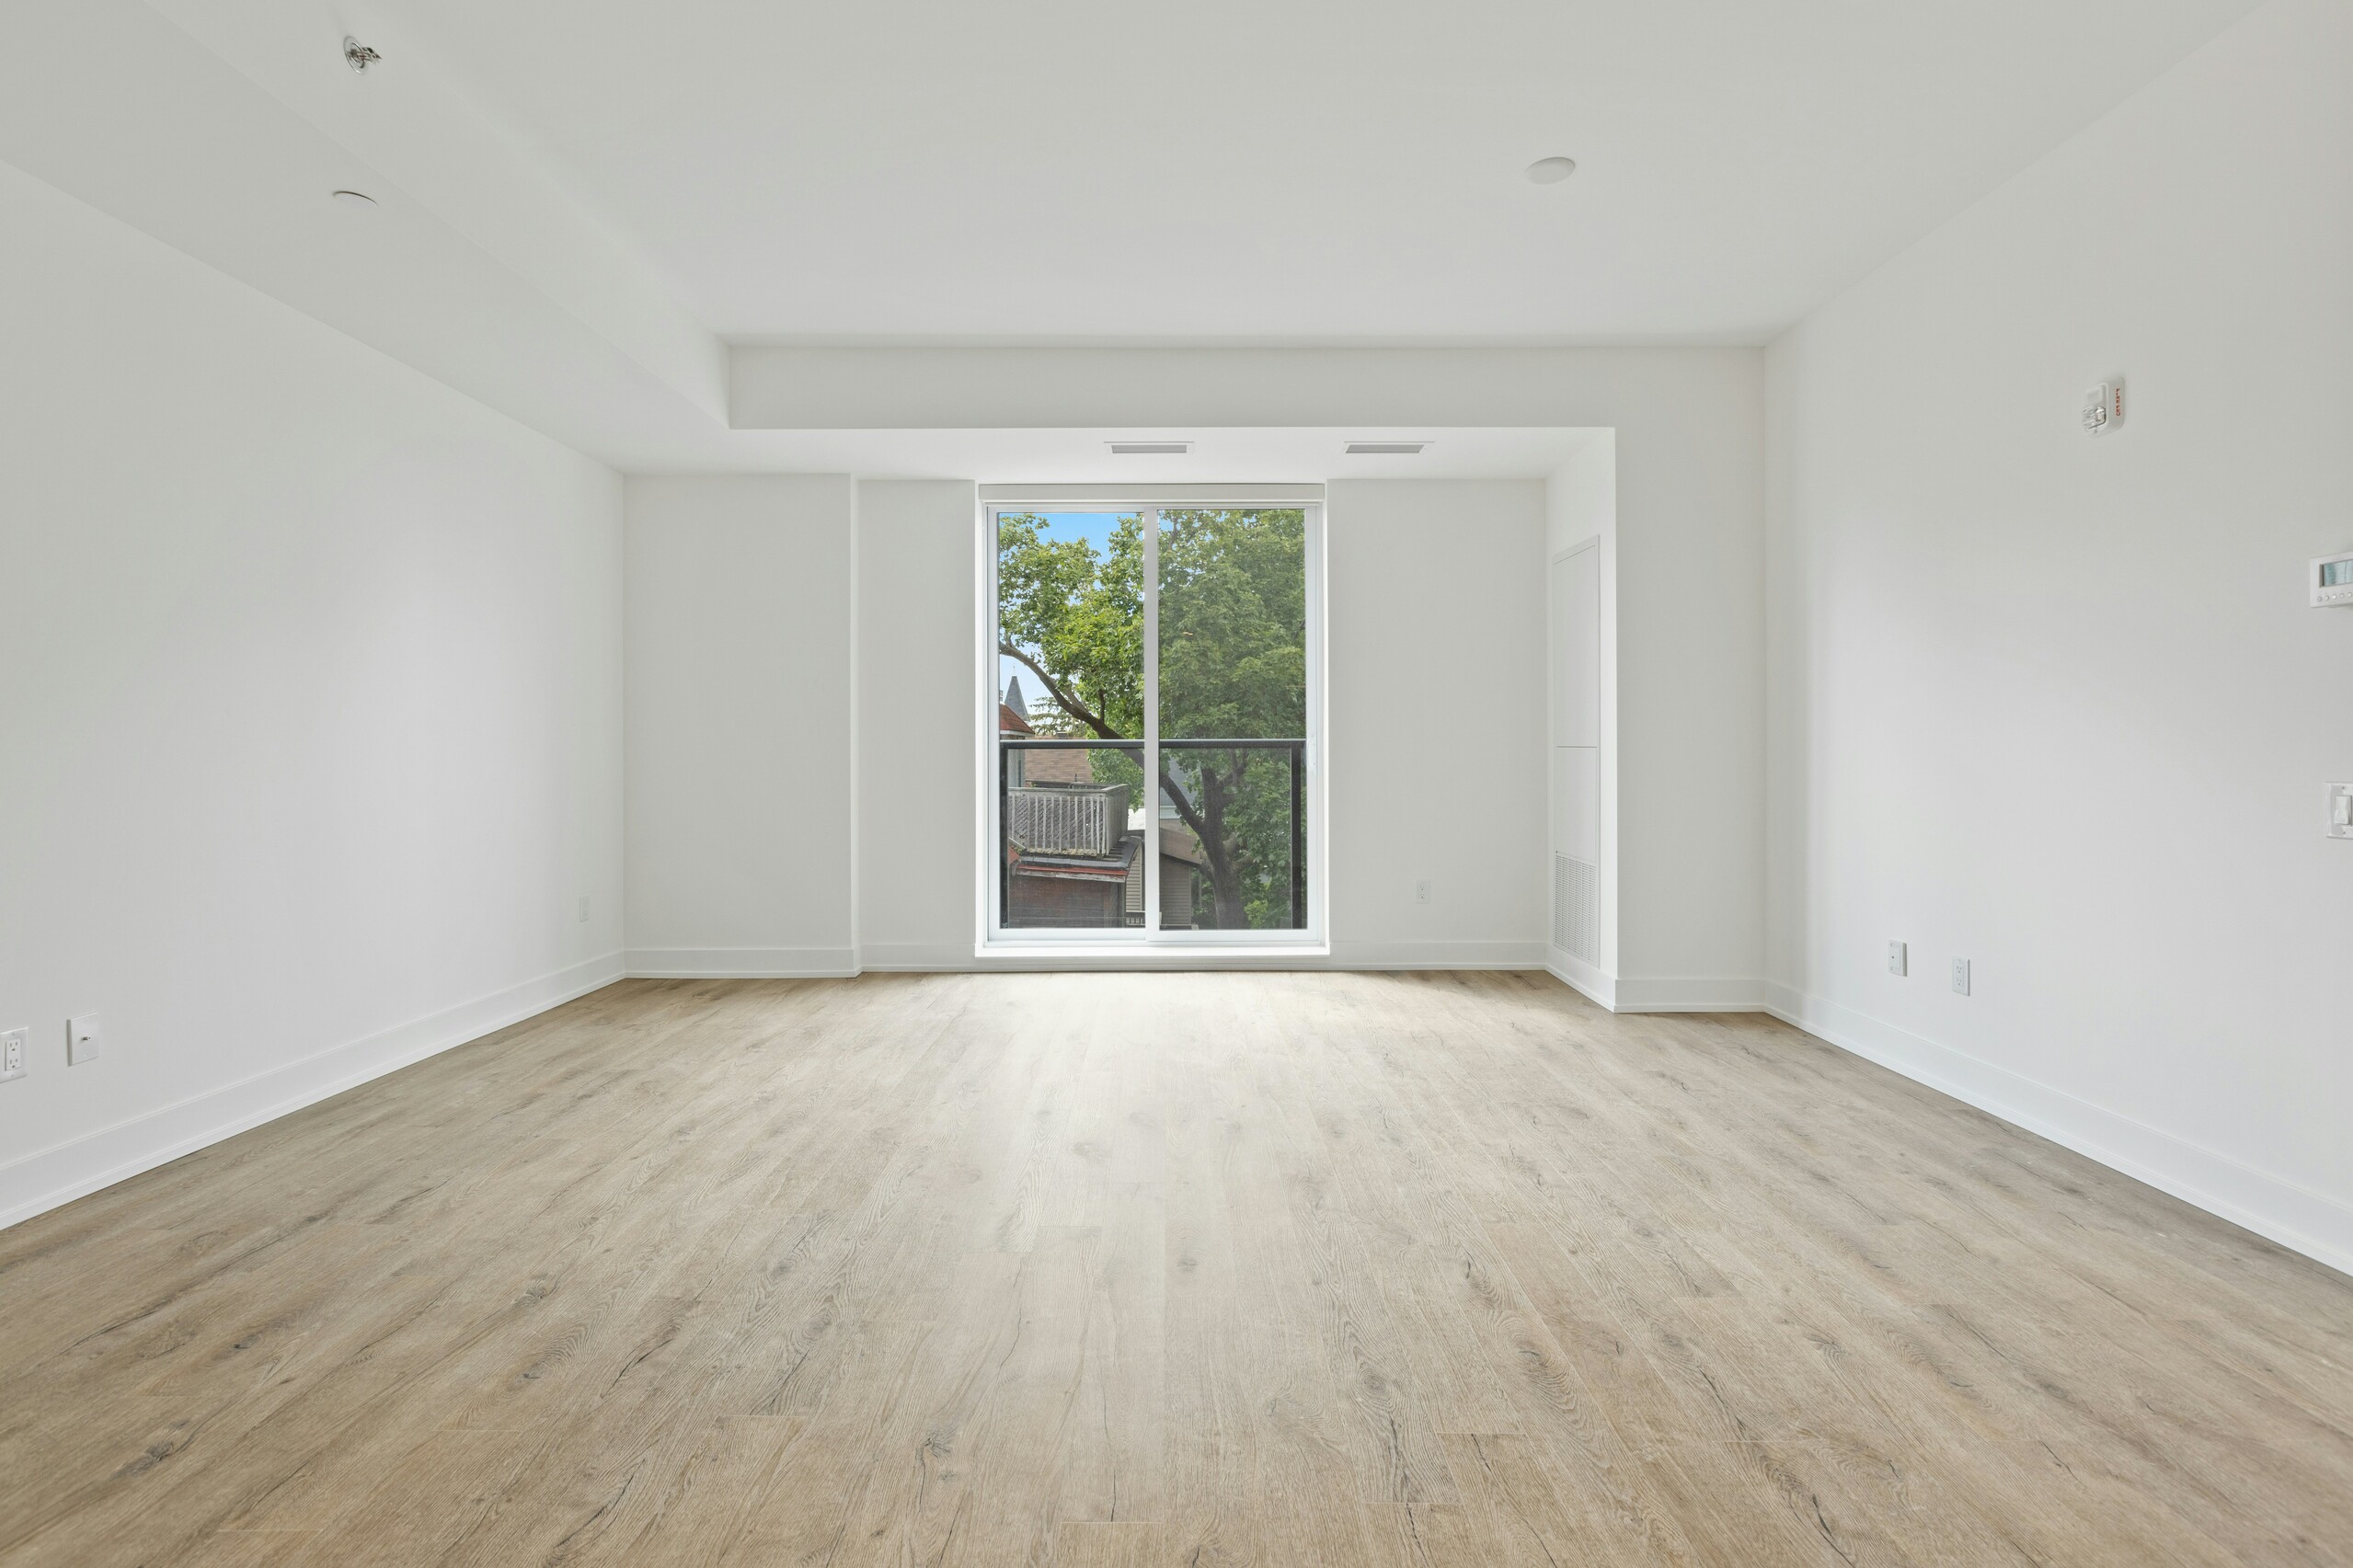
(2103, 407)
(2330, 579)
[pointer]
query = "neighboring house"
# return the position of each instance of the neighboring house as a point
(1056, 766)
(1073, 850)
(1012, 724)
(1184, 874)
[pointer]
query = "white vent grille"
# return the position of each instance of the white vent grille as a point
(1574, 910)
(1385, 448)
(1150, 448)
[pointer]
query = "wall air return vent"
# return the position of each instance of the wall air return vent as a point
(1150, 448)
(1385, 448)
(1576, 906)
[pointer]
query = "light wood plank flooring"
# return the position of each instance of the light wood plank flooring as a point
(1158, 1269)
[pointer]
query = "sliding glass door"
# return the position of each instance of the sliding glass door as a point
(1153, 682)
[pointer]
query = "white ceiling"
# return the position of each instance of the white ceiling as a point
(1310, 169)
(579, 200)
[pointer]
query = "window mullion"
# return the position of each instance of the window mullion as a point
(1151, 848)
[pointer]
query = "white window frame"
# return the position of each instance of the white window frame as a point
(1150, 940)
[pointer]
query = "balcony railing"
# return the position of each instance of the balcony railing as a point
(1062, 824)
(1066, 818)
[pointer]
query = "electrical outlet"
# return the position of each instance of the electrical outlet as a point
(1899, 959)
(82, 1039)
(584, 911)
(12, 1052)
(1960, 976)
(1422, 892)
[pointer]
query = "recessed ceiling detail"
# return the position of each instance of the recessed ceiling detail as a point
(1325, 170)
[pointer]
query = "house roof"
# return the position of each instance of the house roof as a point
(1011, 723)
(1076, 867)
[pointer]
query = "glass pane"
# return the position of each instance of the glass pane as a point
(1232, 835)
(1070, 658)
(1072, 846)
(1233, 718)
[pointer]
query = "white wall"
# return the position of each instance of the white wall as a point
(1689, 466)
(1690, 622)
(309, 705)
(1581, 509)
(1436, 596)
(742, 731)
(917, 640)
(2056, 705)
(739, 681)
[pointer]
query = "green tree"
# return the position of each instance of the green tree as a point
(1233, 665)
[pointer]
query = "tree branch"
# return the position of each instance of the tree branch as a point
(1210, 843)
(1209, 832)
(1067, 703)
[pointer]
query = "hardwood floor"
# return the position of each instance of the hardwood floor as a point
(1184, 1269)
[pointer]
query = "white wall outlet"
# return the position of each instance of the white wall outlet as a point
(1421, 892)
(1899, 959)
(584, 911)
(2340, 811)
(82, 1039)
(1960, 976)
(12, 1053)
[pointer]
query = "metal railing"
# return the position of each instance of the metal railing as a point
(1049, 809)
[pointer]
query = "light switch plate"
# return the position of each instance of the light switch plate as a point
(12, 1053)
(2340, 811)
(82, 1039)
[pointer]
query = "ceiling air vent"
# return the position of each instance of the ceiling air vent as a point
(1150, 448)
(1384, 449)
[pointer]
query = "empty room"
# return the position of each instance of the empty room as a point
(1542, 784)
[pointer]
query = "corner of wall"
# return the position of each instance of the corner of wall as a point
(2294, 1216)
(48, 1177)
(1596, 983)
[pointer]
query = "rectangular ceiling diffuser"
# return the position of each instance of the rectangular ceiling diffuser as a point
(1150, 448)
(1384, 449)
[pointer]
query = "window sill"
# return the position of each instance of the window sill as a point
(1094, 956)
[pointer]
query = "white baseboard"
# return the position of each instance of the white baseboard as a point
(1491, 955)
(63, 1171)
(916, 958)
(1690, 993)
(1577, 974)
(742, 962)
(1658, 994)
(2295, 1215)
